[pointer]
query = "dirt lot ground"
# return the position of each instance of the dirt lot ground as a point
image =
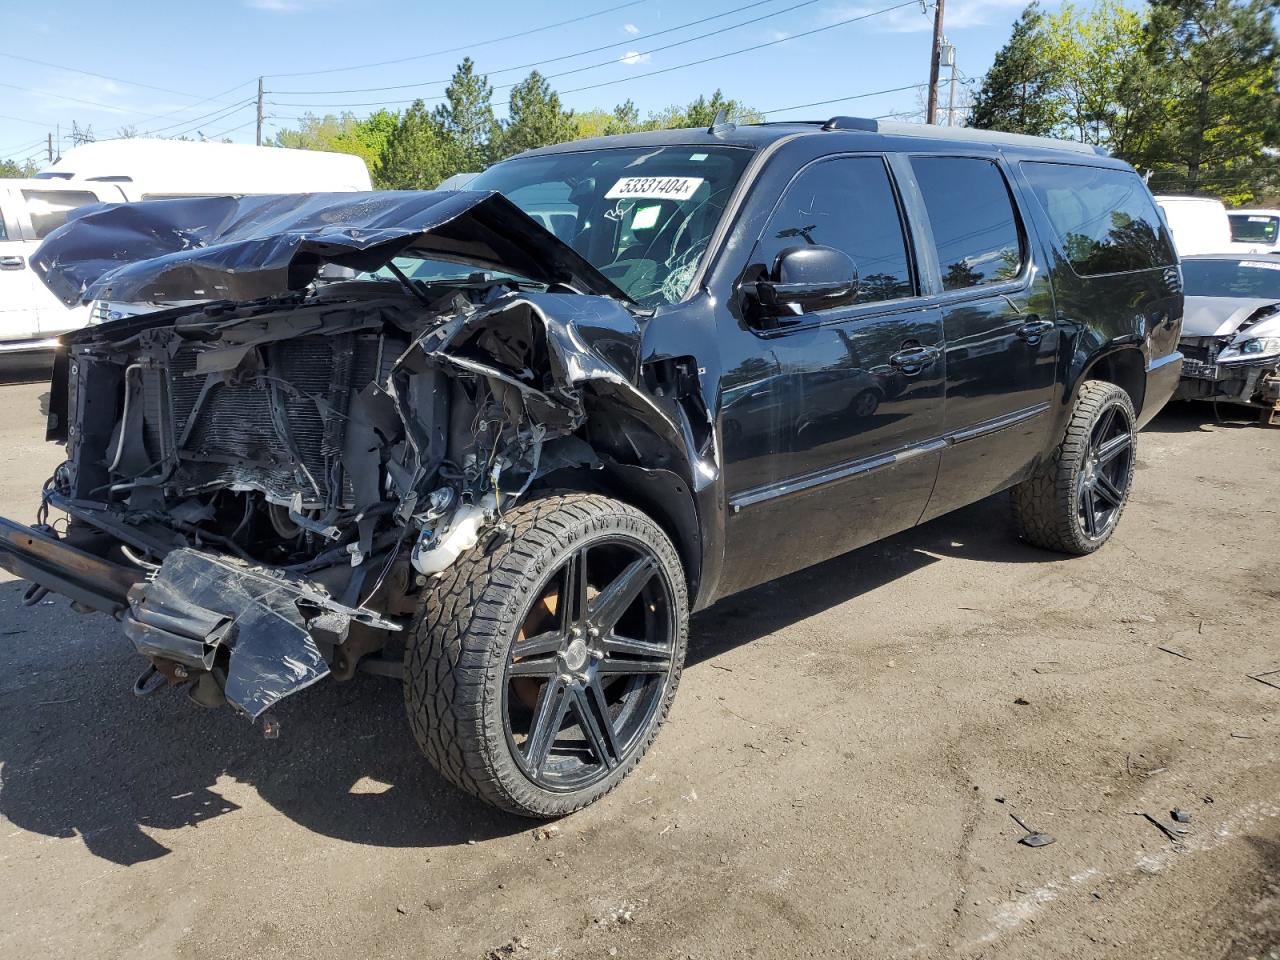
(836, 779)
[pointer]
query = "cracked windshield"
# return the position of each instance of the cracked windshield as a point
(642, 217)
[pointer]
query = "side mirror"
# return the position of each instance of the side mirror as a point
(805, 279)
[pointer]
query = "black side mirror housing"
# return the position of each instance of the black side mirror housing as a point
(805, 279)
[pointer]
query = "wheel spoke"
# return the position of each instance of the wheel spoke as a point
(622, 668)
(1105, 424)
(1108, 491)
(1090, 511)
(1114, 447)
(535, 667)
(614, 599)
(543, 643)
(597, 729)
(573, 591)
(548, 715)
(612, 643)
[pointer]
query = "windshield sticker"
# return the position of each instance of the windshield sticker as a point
(1261, 219)
(1258, 265)
(645, 218)
(654, 188)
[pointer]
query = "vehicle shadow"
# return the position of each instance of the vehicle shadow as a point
(82, 756)
(1192, 416)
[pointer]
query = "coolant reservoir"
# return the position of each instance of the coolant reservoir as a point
(435, 553)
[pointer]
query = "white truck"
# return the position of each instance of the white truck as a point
(115, 171)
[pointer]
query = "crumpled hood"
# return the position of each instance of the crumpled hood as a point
(1220, 316)
(243, 248)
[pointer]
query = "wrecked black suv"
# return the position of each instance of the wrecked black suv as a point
(540, 421)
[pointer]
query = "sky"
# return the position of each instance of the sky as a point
(184, 68)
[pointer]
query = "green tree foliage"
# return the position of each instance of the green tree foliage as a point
(1017, 93)
(417, 149)
(535, 117)
(471, 132)
(12, 168)
(1222, 60)
(416, 155)
(344, 133)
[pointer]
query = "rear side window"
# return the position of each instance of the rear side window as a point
(847, 203)
(1105, 219)
(971, 213)
(49, 208)
(1254, 228)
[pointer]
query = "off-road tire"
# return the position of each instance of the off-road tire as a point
(1045, 505)
(459, 644)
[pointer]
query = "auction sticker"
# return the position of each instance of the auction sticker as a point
(654, 188)
(1258, 265)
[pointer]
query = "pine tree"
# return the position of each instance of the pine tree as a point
(467, 121)
(536, 117)
(415, 156)
(1221, 60)
(1017, 93)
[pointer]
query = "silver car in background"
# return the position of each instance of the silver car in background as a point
(1231, 331)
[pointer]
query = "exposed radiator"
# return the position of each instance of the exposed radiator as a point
(234, 437)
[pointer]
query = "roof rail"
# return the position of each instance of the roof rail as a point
(866, 124)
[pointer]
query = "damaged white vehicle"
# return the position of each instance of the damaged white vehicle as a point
(1231, 331)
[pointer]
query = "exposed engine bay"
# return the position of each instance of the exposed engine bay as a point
(330, 452)
(261, 485)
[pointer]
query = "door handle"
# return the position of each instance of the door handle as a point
(11, 263)
(1035, 330)
(914, 359)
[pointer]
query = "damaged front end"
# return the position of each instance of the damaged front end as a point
(260, 490)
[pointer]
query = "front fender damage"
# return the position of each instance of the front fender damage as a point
(482, 406)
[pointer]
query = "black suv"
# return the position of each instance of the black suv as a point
(532, 425)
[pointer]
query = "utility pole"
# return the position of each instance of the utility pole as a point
(51, 147)
(258, 139)
(949, 58)
(931, 114)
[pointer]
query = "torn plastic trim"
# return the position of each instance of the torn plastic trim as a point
(270, 624)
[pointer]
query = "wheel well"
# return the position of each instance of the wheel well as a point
(1126, 369)
(659, 493)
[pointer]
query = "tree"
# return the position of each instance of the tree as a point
(535, 118)
(1222, 59)
(12, 168)
(1017, 94)
(466, 120)
(344, 133)
(1098, 60)
(415, 155)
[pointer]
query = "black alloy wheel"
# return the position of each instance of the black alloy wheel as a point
(590, 668)
(1106, 472)
(543, 664)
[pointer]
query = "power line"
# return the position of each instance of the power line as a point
(856, 96)
(100, 76)
(216, 117)
(580, 53)
(638, 76)
(467, 46)
(223, 133)
(14, 151)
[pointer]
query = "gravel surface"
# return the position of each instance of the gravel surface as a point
(836, 779)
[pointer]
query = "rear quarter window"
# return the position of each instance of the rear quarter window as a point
(48, 209)
(1105, 219)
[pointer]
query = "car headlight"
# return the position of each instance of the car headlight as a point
(1251, 350)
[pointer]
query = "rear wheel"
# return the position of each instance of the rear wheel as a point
(539, 671)
(1073, 501)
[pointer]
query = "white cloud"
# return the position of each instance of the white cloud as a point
(777, 35)
(631, 28)
(275, 6)
(633, 57)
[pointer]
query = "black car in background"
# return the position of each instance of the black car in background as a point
(507, 463)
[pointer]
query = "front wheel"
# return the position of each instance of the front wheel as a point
(540, 668)
(1073, 501)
